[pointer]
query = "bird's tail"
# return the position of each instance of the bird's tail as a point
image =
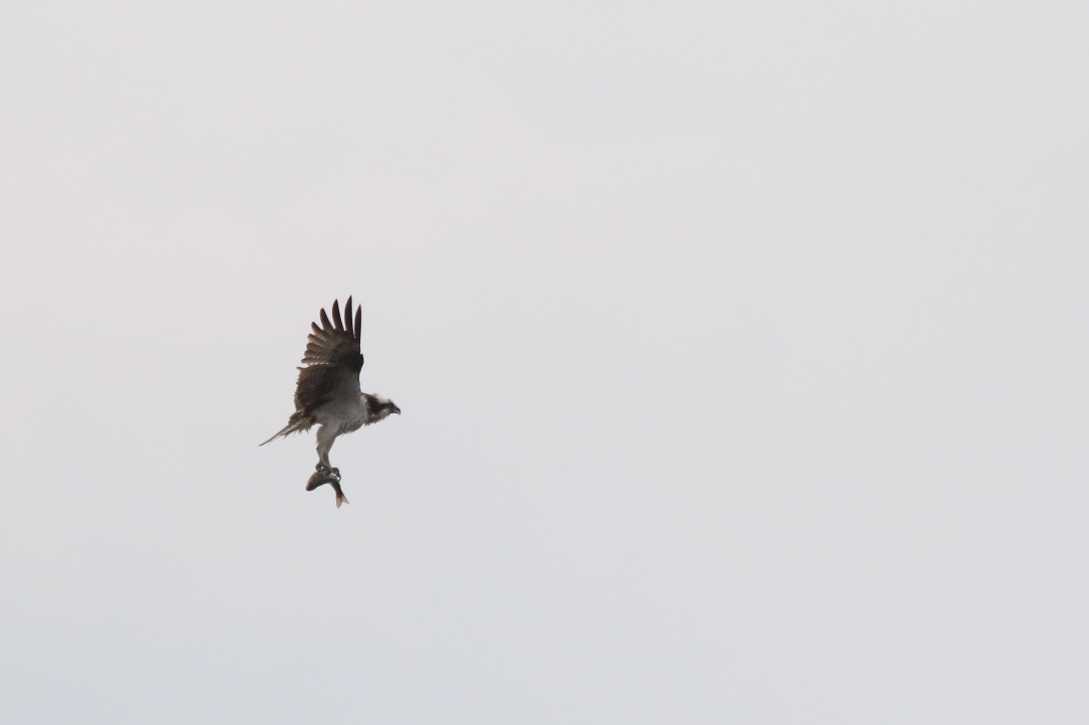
(291, 427)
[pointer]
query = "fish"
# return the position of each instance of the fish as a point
(320, 478)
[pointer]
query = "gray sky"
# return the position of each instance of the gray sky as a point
(741, 349)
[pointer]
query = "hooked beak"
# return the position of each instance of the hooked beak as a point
(395, 409)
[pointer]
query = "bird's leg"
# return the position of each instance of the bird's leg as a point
(326, 436)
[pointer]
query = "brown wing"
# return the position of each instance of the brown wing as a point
(332, 360)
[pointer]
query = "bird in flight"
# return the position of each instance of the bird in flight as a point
(327, 393)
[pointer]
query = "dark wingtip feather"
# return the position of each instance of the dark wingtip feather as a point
(358, 323)
(325, 320)
(336, 316)
(348, 316)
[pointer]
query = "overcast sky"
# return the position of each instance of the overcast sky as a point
(742, 352)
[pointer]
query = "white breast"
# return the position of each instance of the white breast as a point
(343, 414)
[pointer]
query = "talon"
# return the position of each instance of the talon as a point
(335, 473)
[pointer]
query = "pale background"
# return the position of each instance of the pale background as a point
(742, 352)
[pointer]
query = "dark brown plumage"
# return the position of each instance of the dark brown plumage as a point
(332, 361)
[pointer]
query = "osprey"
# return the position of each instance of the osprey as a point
(327, 393)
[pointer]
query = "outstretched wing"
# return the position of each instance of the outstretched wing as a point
(332, 360)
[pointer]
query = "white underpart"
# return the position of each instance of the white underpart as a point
(343, 414)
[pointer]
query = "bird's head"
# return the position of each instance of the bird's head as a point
(379, 407)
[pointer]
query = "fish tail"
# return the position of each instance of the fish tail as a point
(341, 498)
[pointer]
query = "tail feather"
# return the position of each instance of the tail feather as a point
(283, 431)
(299, 421)
(291, 427)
